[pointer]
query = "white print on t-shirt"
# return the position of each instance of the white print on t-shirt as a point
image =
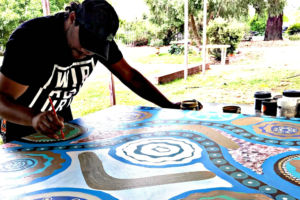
(63, 85)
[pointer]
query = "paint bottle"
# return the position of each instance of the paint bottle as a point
(260, 96)
(286, 108)
(269, 107)
(293, 95)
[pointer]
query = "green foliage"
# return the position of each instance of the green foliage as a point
(294, 29)
(176, 49)
(220, 31)
(15, 12)
(294, 37)
(285, 18)
(156, 43)
(258, 23)
(140, 31)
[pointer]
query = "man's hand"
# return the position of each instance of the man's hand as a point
(48, 124)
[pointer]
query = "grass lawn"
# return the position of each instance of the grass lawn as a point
(166, 58)
(232, 86)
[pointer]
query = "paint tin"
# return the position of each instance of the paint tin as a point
(232, 109)
(269, 107)
(286, 107)
(191, 105)
(260, 96)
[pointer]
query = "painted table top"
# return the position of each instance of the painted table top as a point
(150, 153)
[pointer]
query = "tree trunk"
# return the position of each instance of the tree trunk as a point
(274, 28)
(195, 32)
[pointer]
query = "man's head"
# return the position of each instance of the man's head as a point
(90, 27)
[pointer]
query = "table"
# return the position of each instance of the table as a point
(149, 153)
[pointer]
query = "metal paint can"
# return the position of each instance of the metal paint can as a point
(191, 105)
(232, 109)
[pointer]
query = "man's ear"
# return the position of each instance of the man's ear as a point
(72, 17)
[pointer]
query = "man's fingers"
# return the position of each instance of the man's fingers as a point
(50, 125)
(45, 130)
(52, 136)
(55, 120)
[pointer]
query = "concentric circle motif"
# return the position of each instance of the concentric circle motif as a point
(288, 168)
(70, 131)
(251, 183)
(133, 116)
(65, 195)
(159, 151)
(284, 129)
(209, 116)
(277, 129)
(171, 114)
(17, 165)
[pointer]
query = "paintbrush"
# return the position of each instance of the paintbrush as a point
(62, 133)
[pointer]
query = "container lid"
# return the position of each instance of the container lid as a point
(262, 94)
(291, 93)
(272, 102)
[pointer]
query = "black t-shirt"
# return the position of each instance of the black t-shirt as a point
(37, 55)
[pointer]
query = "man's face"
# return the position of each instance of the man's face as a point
(73, 41)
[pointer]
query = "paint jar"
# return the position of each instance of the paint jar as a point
(286, 108)
(260, 96)
(191, 105)
(269, 107)
(232, 109)
(294, 95)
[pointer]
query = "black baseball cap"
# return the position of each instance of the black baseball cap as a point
(98, 24)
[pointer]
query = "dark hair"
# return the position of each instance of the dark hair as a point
(72, 7)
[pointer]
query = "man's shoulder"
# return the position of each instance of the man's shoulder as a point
(40, 27)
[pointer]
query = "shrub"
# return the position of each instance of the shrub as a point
(259, 24)
(221, 32)
(176, 49)
(294, 29)
(156, 43)
(294, 37)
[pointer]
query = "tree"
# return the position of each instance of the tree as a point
(275, 17)
(15, 12)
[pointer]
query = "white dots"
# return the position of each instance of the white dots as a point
(227, 168)
(250, 182)
(284, 198)
(268, 189)
(218, 161)
(239, 175)
(214, 154)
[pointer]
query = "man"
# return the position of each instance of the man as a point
(53, 56)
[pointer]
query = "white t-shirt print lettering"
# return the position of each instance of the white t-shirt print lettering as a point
(63, 85)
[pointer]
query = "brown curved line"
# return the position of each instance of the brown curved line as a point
(96, 177)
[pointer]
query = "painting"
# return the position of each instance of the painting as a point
(128, 152)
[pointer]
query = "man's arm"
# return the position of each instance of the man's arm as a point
(139, 84)
(46, 122)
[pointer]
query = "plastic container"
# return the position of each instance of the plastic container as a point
(260, 96)
(286, 108)
(269, 107)
(291, 94)
(294, 95)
